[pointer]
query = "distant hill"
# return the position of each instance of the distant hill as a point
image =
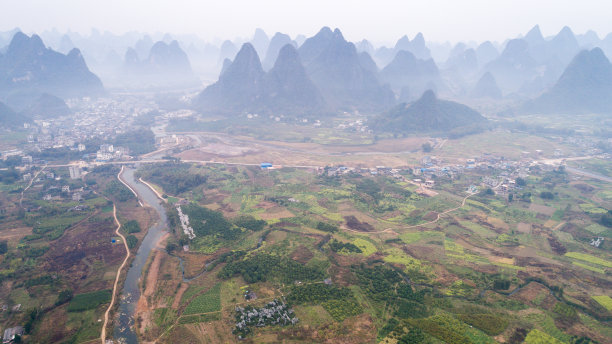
(245, 87)
(166, 65)
(486, 52)
(407, 73)
(287, 89)
(334, 66)
(486, 87)
(260, 42)
(417, 47)
(28, 69)
(47, 106)
(514, 66)
(529, 65)
(584, 87)
(428, 114)
(278, 41)
(325, 75)
(238, 88)
(10, 118)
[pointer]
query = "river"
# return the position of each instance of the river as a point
(123, 331)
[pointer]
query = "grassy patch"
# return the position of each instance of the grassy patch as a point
(590, 268)
(208, 302)
(604, 300)
(595, 228)
(589, 258)
(412, 237)
(488, 323)
(366, 247)
(199, 318)
(590, 208)
(342, 309)
(82, 302)
(395, 255)
(536, 336)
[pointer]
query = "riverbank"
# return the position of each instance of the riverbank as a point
(131, 293)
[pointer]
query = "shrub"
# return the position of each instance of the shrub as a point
(327, 227)
(487, 323)
(263, 267)
(86, 301)
(118, 191)
(343, 247)
(131, 226)
(131, 241)
(342, 309)
(250, 223)
(547, 195)
(63, 297)
(316, 293)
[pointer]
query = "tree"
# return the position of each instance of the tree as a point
(63, 297)
(520, 181)
(606, 220)
(3, 247)
(414, 336)
(131, 241)
(510, 197)
(547, 195)
(427, 147)
(171, 246)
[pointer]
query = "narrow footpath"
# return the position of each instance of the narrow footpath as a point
(127, 256)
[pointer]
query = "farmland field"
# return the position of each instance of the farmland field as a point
(207, 302)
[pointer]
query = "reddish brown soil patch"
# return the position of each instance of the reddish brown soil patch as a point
(353, 223)
(523, 227)
(430, 216)
(179, 294)
(518, 336)
(302, 254)
(348, 260)
(75, 252)
(535, 294)
(266, 205)
(583, 187)
(429, 252)
(556, 246)
(152, 274)
(194, 262)
(342, 275)
(542, 209)
(284, 224)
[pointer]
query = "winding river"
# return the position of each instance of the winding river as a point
(123, 331)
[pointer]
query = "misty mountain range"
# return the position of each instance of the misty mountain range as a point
(323, 74)
(34, 78)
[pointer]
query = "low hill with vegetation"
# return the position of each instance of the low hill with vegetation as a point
(428, 114)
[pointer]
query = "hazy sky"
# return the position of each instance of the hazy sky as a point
(377, 20)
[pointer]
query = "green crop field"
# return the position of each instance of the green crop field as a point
(208, 302)
(366, 247)
(589, 258)
(604, 300)
(536, 336)
(83, 302)
(590, 267)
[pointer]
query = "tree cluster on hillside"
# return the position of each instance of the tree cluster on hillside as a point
(263, 267)
(209, 222)
(173, 178)
(139, 141)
